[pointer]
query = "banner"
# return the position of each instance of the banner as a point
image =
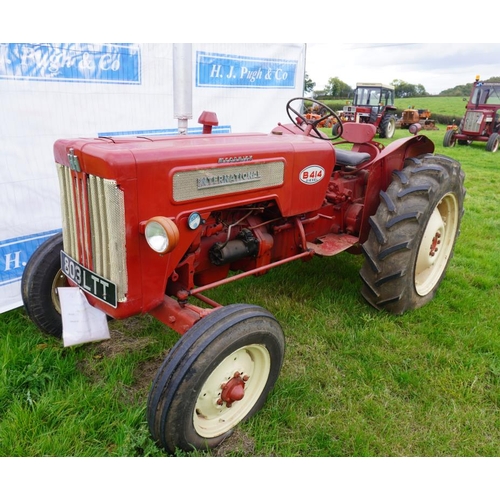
(50, 91)
(71, 62)
(221, 70)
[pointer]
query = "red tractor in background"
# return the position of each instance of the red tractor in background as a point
(481, 121)
(373, 103)
(152, 223)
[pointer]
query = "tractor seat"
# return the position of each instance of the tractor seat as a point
(345, 158)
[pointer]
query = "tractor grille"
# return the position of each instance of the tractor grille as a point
(93, 218)
(472, 121)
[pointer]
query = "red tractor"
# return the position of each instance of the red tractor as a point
(152, 223)
(373, 103)
(482, 118)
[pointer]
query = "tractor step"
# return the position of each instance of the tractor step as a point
(332, 244)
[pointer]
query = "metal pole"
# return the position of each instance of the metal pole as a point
(183, 85)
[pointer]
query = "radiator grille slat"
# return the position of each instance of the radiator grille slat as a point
(68, 212)
(100, 203)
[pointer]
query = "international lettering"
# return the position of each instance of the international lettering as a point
(209, 181)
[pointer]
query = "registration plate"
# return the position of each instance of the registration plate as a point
(88, 281)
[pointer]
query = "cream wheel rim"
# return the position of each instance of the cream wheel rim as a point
(231, 390)
(59, 281)
(437, 244)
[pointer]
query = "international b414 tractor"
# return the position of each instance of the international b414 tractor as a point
(481, 121)
(373, 103)
(152, 223)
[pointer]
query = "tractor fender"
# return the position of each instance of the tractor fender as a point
(391, 158)
(410, 147)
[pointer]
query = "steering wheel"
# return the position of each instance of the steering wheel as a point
(310, 125)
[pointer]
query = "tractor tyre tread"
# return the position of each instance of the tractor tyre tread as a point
(397, 229)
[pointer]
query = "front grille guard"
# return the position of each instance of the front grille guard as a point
(93, 222)
(472, 122)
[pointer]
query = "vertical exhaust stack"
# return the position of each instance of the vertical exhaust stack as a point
(183, 85)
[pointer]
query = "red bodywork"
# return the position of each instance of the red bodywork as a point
(264, 200)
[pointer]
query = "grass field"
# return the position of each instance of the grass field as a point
(439, 106)
(355, 382)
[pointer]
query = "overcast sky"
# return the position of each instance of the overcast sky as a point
(437, 66)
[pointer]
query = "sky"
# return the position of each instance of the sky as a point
(436, 66)
(394, 55)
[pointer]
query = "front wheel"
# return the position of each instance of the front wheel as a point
(336, 132)
(217, 375)
(493, 143)
(387, 127)
(413, 234)
(449, 139)
(42, 277)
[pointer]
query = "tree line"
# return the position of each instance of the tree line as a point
(337, 89)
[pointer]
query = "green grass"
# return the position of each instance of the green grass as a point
(355, 382)
(439, 106)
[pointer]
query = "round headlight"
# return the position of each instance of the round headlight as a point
(161, 234)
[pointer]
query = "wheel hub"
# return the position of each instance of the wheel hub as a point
(234, 390)
(435, 244)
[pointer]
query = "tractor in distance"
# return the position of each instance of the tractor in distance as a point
(411, 116)
(481, 121)
(151, 224)
(373, 103)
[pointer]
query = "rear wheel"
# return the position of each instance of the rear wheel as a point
(413, 234)
(493, 143)
(387, 126)
(449, 138)
(42, 277)
(217, 375)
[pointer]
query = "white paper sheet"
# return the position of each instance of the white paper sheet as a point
(82, 323)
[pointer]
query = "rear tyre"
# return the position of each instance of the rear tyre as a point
(413, 234)
(493, 143)
(387, 127)
(41, 278)
(449, 139)
(217, 375)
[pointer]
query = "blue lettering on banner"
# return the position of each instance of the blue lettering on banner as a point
(15, 253)
(221, 70)
(71, 62)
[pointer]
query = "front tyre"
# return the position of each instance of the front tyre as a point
(413, 234)
(387, 127)
(336, 132)
(449, 140)
(493, 143)
(217, 375)
(42, 277)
